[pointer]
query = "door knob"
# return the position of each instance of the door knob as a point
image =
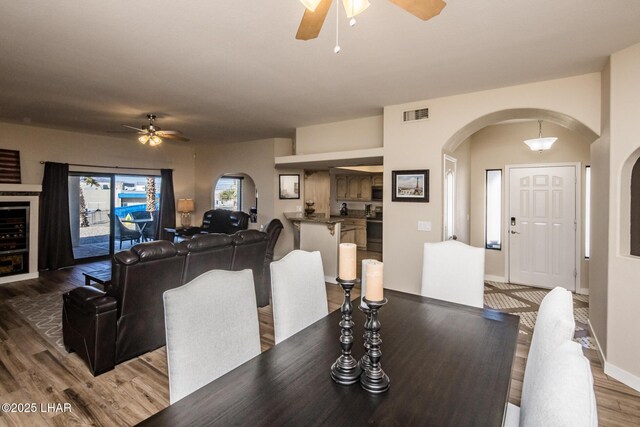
(514, 232)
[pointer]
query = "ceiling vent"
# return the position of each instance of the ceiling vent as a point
(415, 115)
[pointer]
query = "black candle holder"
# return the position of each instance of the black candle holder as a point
(346, 370)
(374, 380)
(364, 361)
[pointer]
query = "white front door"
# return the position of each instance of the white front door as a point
(542, 226)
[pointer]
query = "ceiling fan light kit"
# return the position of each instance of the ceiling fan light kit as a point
(153, 134)
(316, 12)
(540, 144)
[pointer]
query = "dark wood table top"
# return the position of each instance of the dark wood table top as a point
(448, 364)
(102, 276)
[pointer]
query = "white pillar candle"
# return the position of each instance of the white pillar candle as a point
(347, 264)
(364, 280)
(374, 290)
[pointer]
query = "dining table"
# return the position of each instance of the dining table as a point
(449, 365)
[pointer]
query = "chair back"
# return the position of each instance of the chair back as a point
(207, 252)
(212, 327)
(139, 278)
(273, 230)
(299, 294)
(563, 394)
(554, 325)
(250, 247)
(453, 271)
(141, 215)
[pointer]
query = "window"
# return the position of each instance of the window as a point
(228, 193)
(450, 227)
(587, 212)
(493, 225)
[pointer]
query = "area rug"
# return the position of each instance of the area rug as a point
(44, 314)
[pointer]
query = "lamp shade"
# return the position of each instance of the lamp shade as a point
(540, 144)
(186, 205)
(310, 4)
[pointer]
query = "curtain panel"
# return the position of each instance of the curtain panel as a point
(167, 215)
(55, 247)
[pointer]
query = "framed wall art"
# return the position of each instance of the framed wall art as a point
(410, 186)
(289, 186)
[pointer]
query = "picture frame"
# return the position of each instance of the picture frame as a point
(410, 186)
(289, 186)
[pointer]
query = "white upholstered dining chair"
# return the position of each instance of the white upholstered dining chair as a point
(298, 293)
(453, 271)
(562, 395)
(554, 326)
(212, 327)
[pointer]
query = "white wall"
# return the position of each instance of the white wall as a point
(497, 146)
(347, 135)
(256, 159)
(623, 345)
(419, 145)
(43, 144)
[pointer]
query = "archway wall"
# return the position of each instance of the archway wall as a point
(623, 289)
(573, 102)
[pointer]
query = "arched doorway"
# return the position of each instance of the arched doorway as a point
(487, 152)
(236, 192)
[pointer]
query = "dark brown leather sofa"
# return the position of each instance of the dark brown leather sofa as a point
(127, 319)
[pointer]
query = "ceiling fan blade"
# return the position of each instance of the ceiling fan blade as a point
(423, 9)
(173, 136)
(168, 132)
(134, 128)
(311, 23)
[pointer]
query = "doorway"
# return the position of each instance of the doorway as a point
(543, 225)
(110, 212)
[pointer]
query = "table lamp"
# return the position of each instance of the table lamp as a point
(185, 207)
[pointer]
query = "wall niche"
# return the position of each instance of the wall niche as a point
(635, 209)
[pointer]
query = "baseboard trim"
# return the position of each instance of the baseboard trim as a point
(329, 279)
(598, 346)
(623, 376)
(19, 277)
(492, 278)
(613, 371)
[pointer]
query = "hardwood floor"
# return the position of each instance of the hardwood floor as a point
(32, 370)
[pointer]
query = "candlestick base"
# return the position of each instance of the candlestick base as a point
(346, 370)
(374, 379)
(364, 360)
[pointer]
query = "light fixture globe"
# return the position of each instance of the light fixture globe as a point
(355, 7)
(540, 144)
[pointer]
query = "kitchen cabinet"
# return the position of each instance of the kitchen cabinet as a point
(342, 187)
(348, 236)
(353, 187)
(360, 235)
(377, 180)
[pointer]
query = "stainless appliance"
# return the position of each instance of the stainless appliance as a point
(374, 232)
(376, 194)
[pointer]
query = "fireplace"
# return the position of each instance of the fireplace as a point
(18, 232)
(14, 238)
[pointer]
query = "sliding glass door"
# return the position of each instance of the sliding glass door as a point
(110, 212)
(89, 215)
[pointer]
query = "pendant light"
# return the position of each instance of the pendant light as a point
(310, 4)
(540, 144)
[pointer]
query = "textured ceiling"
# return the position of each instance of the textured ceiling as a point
(233, 71)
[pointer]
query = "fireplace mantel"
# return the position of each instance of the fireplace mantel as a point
(20, 188)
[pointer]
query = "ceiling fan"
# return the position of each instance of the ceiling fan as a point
(316, 12)
(153, 134)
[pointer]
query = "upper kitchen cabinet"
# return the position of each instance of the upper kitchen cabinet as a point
(353, 187)
(377, 180)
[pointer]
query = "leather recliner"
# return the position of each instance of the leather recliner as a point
(206, 252)
(250, 247)
(219, 221)
(126, 320)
